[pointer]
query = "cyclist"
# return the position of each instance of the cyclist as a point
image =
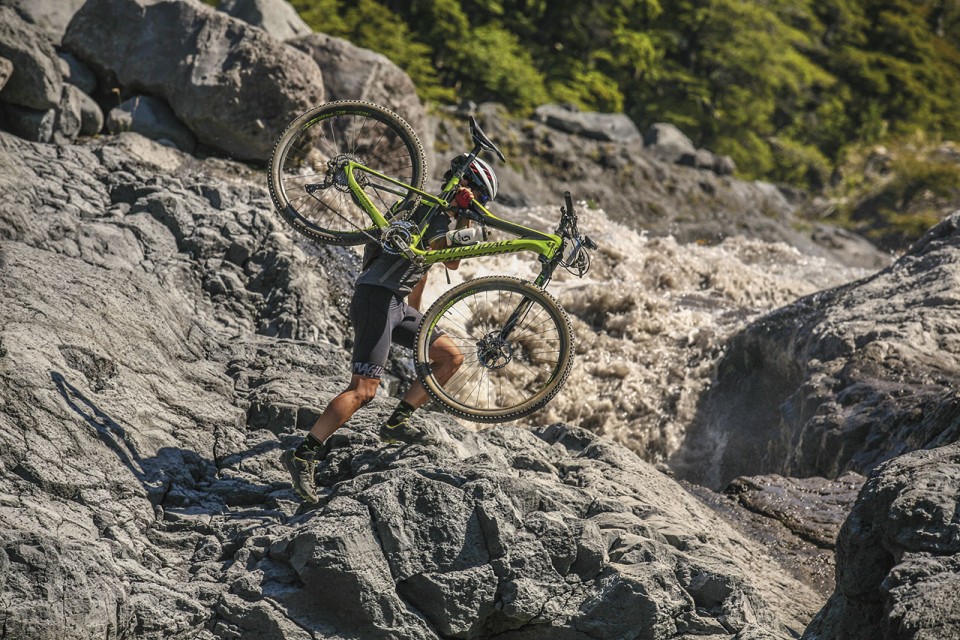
(380, 315)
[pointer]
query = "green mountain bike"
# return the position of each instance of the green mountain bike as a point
(349, 172)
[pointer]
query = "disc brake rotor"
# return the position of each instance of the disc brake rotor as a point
(493, 352)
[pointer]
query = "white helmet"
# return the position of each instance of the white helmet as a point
(481, 175)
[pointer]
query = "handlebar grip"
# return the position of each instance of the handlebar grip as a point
(569, 202)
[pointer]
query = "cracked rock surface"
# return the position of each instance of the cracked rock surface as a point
(161, 340)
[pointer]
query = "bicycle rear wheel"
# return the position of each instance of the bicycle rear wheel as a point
(307, 180)
(505, 373)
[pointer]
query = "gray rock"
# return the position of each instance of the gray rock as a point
(353, 73)
(898, 574)
(276, 17)
(724, 166)
(859, 250)
(699, 159)
(155, 357)
(91, 116)
(29, 124)
(77, 73)
(69, 120)
(231, 84)
(796, 519)
(668, 142)
(6, 70)
(152, 118)
(36, 80)
(611, 127)
(838, 381)
(50, 16)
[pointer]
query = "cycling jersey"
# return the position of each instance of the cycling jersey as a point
(378, 312)
(394, 272)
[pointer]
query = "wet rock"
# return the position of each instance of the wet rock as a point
(796, 519)
(36, 80)
(842, 380)
(231, 84)
(897, 569)
(276, 17)
(152, 118)
(611, 127)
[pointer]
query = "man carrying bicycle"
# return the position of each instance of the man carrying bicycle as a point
(385, 309)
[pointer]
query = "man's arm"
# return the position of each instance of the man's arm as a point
(441, 243)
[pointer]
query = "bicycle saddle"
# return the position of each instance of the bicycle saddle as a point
(481, 139)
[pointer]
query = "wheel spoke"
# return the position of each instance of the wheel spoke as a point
(500, 378)
(312, 155)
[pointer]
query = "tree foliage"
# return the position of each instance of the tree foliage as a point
(784, 86)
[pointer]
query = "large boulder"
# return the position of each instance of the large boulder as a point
(152, 118)
(50, 16)
(898, 555)
(36, 81)
(353, 73)
(276, 17)
(231, 84)
(841, 380)
(668, 142)
(610, 127)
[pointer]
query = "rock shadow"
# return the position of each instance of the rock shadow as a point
(181, 479)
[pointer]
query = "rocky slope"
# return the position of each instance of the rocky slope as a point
(841, 380)
(147, 389)
(161, 338)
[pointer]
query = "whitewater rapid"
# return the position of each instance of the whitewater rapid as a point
(651, 319)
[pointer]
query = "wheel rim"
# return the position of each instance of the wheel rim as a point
(311, 176)
(500, 376)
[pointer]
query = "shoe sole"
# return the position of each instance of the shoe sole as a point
(287, 464)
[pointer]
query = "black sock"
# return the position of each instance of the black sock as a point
(310, 446)
(403, 411)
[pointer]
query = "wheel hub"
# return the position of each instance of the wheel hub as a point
(337, 176)
(494, 352)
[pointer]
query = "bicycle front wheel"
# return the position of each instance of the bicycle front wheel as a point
(307, 180)
(514, 343)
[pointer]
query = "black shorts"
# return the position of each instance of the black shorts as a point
(380, 317)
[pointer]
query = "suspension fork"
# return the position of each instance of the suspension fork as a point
(546, 273)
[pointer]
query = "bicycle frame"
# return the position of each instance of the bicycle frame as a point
(546, 245)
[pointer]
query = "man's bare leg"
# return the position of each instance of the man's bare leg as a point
(360, 392)
(302, 461)
(445, 359)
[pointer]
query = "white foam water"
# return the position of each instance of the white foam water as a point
(651, 319)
